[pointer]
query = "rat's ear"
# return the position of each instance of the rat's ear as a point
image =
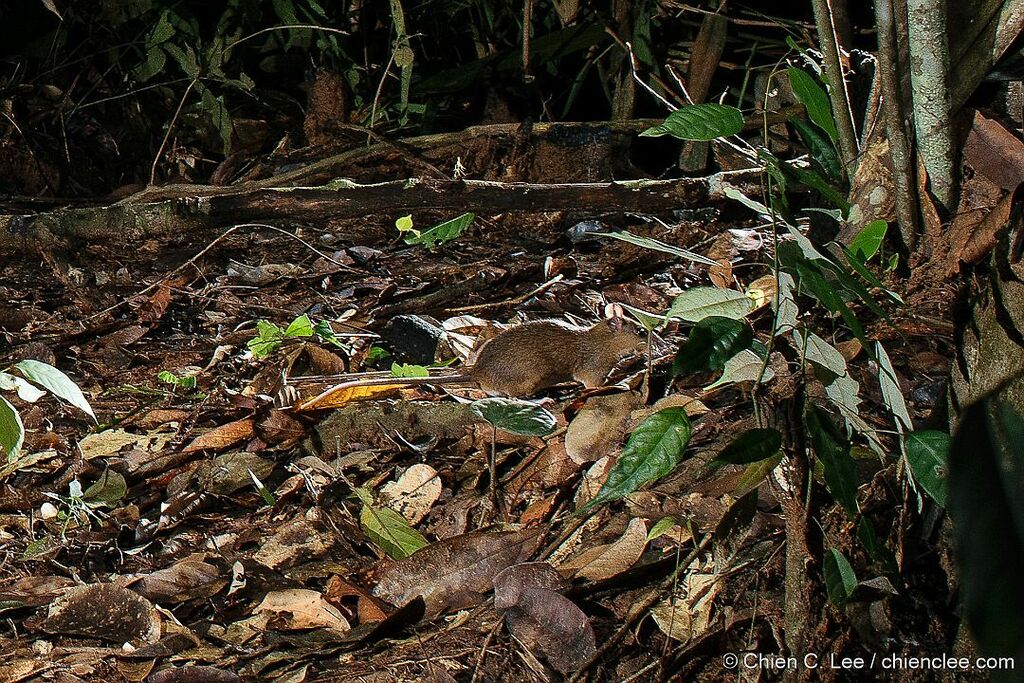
(615, 316)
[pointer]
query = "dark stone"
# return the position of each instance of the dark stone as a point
(412, 339)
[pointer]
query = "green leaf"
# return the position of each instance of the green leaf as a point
(813, 180)
(698, 303)
(405, 370)
(300, 327)
(752, 445)
(661, 527)
(815, 99)
(834, 453)
(745, 366)
(268, 338)
(156, 59)
(517, 417)
(928, 455)
(712, 342)
(820, 147)
(755, 473)
(840, 579)
(55, 381)
(390, 531)
(892, 395)
(442, 232)
(12, 431)
(986, 464)
(649, 321)
(161, 32)
(404, 224)
(26, 391)
(869, 240)
(699, 122)
(108, 490)
(657, 245)
(653, 450)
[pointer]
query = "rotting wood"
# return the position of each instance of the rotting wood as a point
(126, 222)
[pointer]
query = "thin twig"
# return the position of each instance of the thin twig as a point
(170, 128)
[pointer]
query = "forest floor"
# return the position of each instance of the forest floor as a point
(214, 525)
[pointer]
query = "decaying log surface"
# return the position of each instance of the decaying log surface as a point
(205, 207)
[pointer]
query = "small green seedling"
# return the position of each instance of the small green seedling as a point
(270, 336)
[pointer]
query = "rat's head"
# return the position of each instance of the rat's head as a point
(618, 336)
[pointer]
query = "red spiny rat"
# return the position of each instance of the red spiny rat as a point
(527, 358)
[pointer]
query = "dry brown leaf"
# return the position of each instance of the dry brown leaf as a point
(340, 394)
(366, 605)
(599, 426)
(107, 611)
(762, 290)
(414, 493)
(224, 436)
(297, 541)
(298, 608)
(278, 427)
(189, 579)
(849, 349)
(511, 582)
(111, 441)
(191, 673)
(683, 618)
(32, 591)
(455, 572)
(552, 625)
(593, 479)
(606, 561)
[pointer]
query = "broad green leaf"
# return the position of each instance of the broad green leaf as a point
(822, 354)
(390, 531)
(745, 366)
(12, 432)
(928, 455)
(892, 395)
(831, 449)
(161, 31)
(518, 417)
(56, 382)
(755, 473)
(404, 224)
(822, 149)
(699, 122)
(442, 232)
(786, 311)
(26, 391)
(653, 450)
(156, 60)
(660, 528)
(109, 489)
(869, 240)
(406, 370)
(986, 477)
(649, 321)
(300, 327)
(712, 342)
(840, 579)
(752, 445)
(698, 303)
(757, 207)
(815, 99)
(657, 245)
(812, 179)
(868, 276)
